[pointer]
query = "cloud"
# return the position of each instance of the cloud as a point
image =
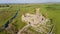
(27, 1)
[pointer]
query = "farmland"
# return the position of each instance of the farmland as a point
(51, 11)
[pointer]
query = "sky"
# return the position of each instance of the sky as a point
(28, 1)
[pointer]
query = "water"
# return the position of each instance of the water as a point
(9, 21)
(6, 25)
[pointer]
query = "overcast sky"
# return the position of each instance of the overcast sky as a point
(27, 1)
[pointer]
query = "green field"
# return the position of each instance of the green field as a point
(51, 11)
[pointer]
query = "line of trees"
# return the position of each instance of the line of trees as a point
(4, 5)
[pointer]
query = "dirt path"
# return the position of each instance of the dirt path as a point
(33, 20)
(24, 28)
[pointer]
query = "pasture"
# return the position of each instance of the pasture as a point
(51, 11)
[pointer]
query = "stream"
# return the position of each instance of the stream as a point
(9, 21)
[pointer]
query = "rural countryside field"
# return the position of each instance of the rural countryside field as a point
(30, 18)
